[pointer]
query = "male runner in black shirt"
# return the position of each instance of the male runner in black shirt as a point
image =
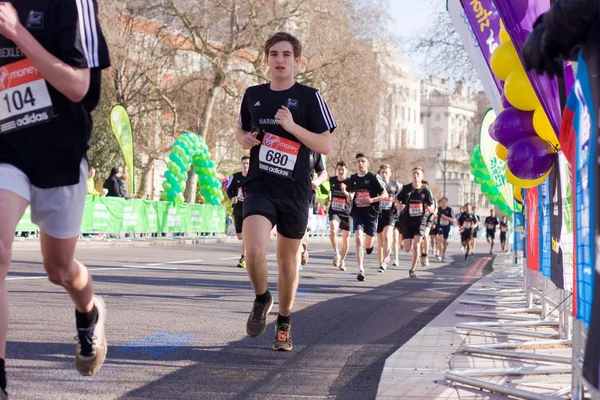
(387, 218)
(49, 83)
(445, 220)
(236, 195)
(475, 231)
(339, 214)
(317, 163)
(280, 122)
(415, 203)
(427, 229)
(367, 191)
(467, 223)
(491, 223)
(503, 233)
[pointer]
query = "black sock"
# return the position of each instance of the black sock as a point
(85, 320)
(263, 298)
(423, 254)
(2, 375)
(283, 320)
(369, 250)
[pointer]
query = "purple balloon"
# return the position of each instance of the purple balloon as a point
(512, 125)
(491, 133)
(530, 158)
(505, 103)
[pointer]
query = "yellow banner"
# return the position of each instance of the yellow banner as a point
(121, 127)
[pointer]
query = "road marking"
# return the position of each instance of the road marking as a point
(146, 267)
(227, 258)
(91, 269)
(181, 262)
(439, 289)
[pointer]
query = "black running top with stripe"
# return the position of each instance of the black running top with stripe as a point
(42, 132)
(280, 167)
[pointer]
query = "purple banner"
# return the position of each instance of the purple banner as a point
(518, 17)
(485, 21)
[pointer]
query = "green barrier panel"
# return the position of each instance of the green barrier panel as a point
(112, 214)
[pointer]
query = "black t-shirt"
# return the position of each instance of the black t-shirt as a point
(448, 212)
(235, 189)
(467, 221)
(280, 167)
(367, 186)
(491, 223)
(42, 132)
(416, 202)
(387, 206)
(503, 227)
(339, 202)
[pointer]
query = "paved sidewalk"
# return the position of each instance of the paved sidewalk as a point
(416, 370)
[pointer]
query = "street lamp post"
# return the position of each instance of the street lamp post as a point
(445, 164)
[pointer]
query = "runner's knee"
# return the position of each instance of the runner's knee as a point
(255, 252)
(5, 255)
(57, 268)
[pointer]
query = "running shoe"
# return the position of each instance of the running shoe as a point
(382, 267)
(304, 258)
(443, 257)
(336, 260)
(283, 337)
(396, 263)
(342, 265)
(411, 273)
(257, 321)
(91, 346)
(242, 262)
(426, 261)
(439, 258)
(360, 277)
(466, 255)
(369, 250)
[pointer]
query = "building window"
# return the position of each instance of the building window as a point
(415, 94)
(396, 112)
(437, 117)
(402, 111)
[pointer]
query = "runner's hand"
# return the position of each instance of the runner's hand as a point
(234, 200)
(343, 188)
(250, 140)
(285, 119)
(9, 20)
(313, 185)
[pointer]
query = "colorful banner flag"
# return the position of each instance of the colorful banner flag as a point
(519, 233)
(480, 63)
(533, 237)
(495, 166)
(120, 124)
(544, 229)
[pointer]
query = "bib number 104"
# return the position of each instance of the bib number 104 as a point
(276, 158)
(17, 100)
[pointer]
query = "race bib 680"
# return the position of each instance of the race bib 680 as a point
(278, 156)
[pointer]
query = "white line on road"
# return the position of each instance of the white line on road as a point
(183, 261)
(146, 267)
(121, 267)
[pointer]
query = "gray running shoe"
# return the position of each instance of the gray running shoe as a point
(342, 265)
(283, 338)
(91, 346)
(257, 321)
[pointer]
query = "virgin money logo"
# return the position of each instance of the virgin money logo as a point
(4, 79)
(272, 140)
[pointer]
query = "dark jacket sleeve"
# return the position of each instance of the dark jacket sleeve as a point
(568, 24)
(232, 188)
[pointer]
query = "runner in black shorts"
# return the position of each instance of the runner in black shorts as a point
(280, 122)
(236, 195)
(397, 238)
(414, 201)
(503, 233)
(317, 163)
(428, 228)
(367, 190)
(445, 220)
(50, 81)
(387, 218)
(339, 214)
(467, 223)
(491, 223)
(475, 231)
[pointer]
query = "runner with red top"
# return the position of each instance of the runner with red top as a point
(467, 223)
(387, 218)
(280, 122)
(415, 202)
(236, 195)
(367, 190)
(491, 224)
(503, 233)
(50, 81)
(339, 214)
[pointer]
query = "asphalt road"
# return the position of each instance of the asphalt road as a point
(176, 325)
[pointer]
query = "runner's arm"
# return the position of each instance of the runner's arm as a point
(72, 82)
(321, 177)
(384, 195)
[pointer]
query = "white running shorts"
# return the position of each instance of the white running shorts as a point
(57, 211)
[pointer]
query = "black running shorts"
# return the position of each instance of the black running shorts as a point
(466, 235)
(364, 223)
(503, 237)
(238, 218)
(410, 229)
(385, 220)
(290, 215)
(342, 219)
(490, 233)
(444, 230)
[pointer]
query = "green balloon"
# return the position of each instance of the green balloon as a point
(179, 199)
(163, 196)
(171, 194)
(174, 168)
(166, 186)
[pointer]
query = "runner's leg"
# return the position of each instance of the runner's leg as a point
(345, 244)
(256, 232)
(333, 228)
(388, 234)
(287, 281)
